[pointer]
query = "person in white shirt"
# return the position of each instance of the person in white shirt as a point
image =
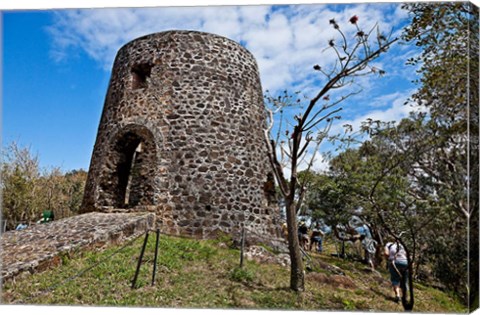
(397, 265)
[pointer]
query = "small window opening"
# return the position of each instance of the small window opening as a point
(269, 189)
(140, 75)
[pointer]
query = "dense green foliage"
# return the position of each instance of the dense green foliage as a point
(449, 37)
(416, 181)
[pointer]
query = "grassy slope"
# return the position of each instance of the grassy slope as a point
(205, 274)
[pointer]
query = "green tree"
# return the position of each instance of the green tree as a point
(354, 176)
(379, 175)
(448, 34)
(74, 188)
(421, 175)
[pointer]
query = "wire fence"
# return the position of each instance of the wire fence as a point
(140, 259)
(89, 268)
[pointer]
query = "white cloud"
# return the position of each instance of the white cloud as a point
(387, 99)
(287, 41)
(395, 110)
(320, 163)
(271, 39)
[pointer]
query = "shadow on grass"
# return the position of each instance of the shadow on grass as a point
(263, 287)
(380, 293)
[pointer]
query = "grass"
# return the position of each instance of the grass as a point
(206, 274)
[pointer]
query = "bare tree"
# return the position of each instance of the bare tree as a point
(27, 189)
(354, 54)
(20, 175)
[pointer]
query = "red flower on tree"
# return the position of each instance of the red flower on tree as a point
(354, 19)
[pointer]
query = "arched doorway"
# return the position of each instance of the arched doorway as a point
(128, 174)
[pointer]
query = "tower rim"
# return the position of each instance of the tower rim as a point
(179, 31)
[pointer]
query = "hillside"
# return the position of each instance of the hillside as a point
(206, 274)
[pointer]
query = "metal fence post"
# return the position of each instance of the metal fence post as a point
(140, 260)
(242, 248)
(156, 257)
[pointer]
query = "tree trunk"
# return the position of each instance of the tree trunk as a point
(408, 304)
(297, 277)
(379, 257)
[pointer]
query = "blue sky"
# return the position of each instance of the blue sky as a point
(51, 106)
(56, 64)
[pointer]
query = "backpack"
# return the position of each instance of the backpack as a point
(399, 247)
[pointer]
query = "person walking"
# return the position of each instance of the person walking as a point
(397, 265)
(317, 239)
(303, 235)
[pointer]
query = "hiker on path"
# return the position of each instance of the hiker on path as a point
(369, 245)
(397, 265)
(317, 238)
(303, 235)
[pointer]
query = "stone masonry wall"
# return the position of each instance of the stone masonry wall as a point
(41, 246)
(181, 135)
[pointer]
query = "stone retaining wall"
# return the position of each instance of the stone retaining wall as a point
(40, 246)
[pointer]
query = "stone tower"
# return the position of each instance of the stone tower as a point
(181, 135)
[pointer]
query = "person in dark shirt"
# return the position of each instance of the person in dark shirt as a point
(317, 238)
(303, 235)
